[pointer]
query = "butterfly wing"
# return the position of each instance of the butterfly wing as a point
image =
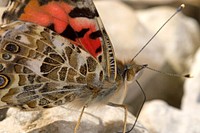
(50, 70)
(40, 69)
(76, 20)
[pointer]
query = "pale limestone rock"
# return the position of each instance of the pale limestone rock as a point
(162, 2)
(172, 49)
(62, 120)
(175, 45)
(191, 98)
(122, 26)
(129, 30)
(178, 40)
(158, 117)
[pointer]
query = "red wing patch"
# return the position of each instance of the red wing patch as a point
(65, 18)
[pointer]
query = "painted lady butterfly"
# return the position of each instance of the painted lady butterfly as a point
(56, 52)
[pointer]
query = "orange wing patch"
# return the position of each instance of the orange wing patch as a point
(79, 29)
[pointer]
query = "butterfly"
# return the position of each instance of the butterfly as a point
(56, 52)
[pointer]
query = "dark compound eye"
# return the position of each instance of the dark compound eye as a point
(11, 47)
(3, 81)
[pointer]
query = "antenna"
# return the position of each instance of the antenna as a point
(169, 74)
(177, 11)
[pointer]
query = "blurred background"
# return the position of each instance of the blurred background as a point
(173, 103)
(131, 23)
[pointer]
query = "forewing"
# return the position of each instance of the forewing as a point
(40, 69)
(77, 20)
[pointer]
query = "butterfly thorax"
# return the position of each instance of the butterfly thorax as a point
(115, 91)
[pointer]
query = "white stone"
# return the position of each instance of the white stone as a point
(158, 117)
(129, 30)
(177, 41)
(63, 120)
(122, 26)
(176, 44)
(191, 98)
(173, 47)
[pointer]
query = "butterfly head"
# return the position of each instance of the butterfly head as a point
(133, 71)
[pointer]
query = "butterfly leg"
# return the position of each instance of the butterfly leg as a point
(79, 120)
(125, 113)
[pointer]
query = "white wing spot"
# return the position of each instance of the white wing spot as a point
(35, 65)
(23, 39)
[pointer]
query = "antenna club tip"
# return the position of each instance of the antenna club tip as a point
(187, 76)
(180, 7)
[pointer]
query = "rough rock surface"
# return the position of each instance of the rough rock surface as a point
(173, 48)
(63, 120)
(130, 29)
(170, 51)
(191, 98)
(158, 117)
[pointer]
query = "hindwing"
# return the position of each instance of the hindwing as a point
(40, 69)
